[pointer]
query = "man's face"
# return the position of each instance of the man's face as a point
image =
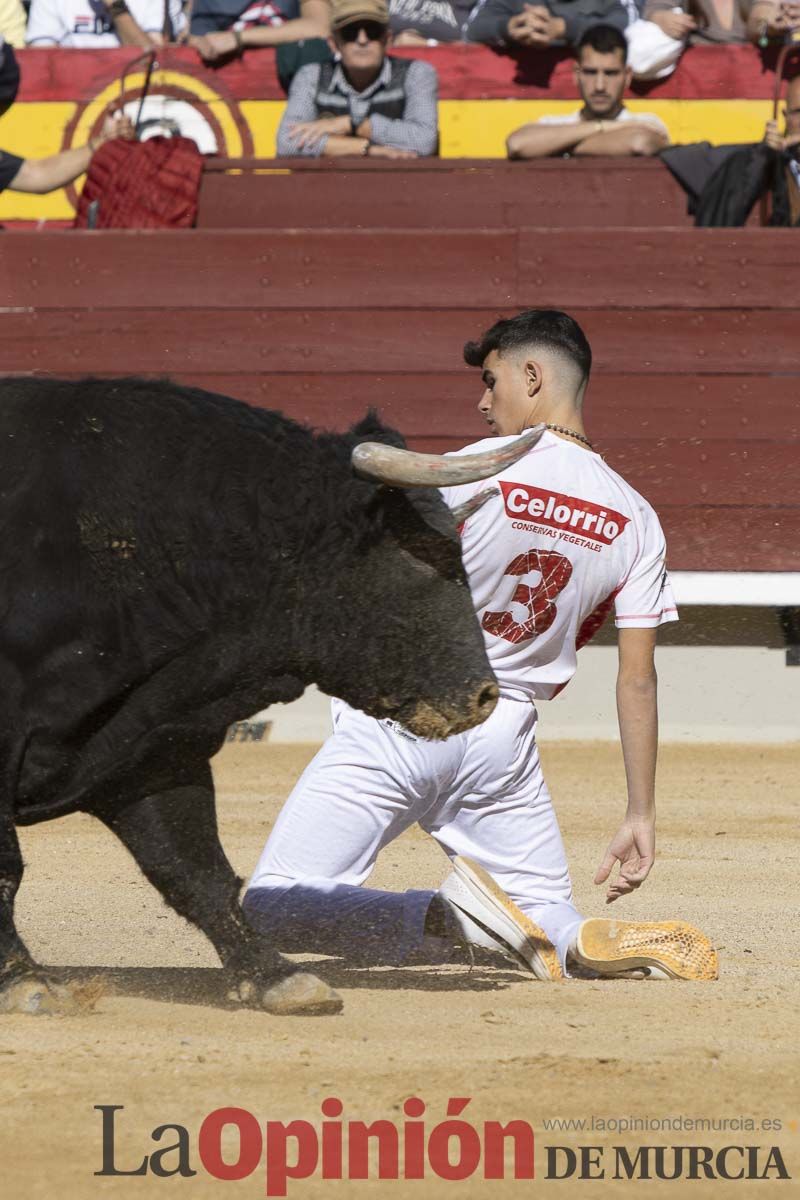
(601, 80)
(362, 45)
(505, 403)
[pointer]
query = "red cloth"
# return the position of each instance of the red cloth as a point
(143, 185)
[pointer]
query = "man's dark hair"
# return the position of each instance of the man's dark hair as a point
(605, 39)
(546, 328)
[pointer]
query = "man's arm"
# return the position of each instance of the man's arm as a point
(539, 139)
(624, 140)
(633, 846)
(128, 30)
(314, 22)
(417, 131)
(41, 175)
(300, 110)
(488, 23)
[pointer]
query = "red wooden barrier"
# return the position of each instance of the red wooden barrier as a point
(441, 194)
(133, 340)
(377, 268)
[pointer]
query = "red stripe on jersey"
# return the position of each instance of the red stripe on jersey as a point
(594, 620)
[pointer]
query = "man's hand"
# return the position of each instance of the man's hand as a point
(535, 26)
(213, 46)
(774, 139)
(116, 125)
(634, 848)
(677, 25)
(308, 134)
(788, 15)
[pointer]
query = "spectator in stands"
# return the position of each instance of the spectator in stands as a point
(12, 23)
(46, 174)
(220, 28)
(669, 26)
(365, 104)
(603, 125)
(100, 24)
(724, 183)
(517, 23)
(427, 22)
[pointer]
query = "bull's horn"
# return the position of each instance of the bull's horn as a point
(406, 468)
(462, 511)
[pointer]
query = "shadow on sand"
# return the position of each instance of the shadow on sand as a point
(211, 986)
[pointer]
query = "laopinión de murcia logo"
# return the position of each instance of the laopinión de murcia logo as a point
(232, 1144)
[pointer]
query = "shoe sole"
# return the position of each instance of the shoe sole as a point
(538, 954)
(665, 949)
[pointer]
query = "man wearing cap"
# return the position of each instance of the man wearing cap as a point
(366, 104)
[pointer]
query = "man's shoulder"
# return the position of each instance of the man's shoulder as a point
(306, 78)
(487, 443)
(561, 118)
(635, 500)
(417, 69)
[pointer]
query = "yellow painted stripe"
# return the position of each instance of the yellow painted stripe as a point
(479, 128)
(469, 129)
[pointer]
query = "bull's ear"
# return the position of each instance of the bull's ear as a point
(371, 429)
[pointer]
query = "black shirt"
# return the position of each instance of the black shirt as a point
(9, 165)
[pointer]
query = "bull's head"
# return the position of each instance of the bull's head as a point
(404, 640)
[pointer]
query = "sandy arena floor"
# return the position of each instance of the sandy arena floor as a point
(728, 862)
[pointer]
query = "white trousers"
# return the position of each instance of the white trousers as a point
(479, 793)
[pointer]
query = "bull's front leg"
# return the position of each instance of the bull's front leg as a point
(173, 837)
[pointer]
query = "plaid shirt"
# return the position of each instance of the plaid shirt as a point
(415, 130)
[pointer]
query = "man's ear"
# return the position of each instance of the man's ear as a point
(576, 73)
(333, 44)
(533, 377)
(628, 77)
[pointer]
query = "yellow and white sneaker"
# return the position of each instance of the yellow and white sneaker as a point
(658, 949)
(488, 918)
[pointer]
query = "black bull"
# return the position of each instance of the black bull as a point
(174, 561)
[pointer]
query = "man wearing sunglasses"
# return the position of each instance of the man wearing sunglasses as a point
(366, 103)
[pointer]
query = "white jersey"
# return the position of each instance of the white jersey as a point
(565, 541)
(85, 24)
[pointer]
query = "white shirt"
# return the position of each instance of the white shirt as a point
(567, 540)
(86, 25)
(623, 115)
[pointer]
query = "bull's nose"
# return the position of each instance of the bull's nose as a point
(486, 698)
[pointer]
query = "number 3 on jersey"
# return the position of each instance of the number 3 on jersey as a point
(555, 570)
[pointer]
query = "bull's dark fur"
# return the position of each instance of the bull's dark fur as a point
(172, 561)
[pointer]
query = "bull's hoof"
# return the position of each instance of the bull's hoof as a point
(35, 996)
(300, 994)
